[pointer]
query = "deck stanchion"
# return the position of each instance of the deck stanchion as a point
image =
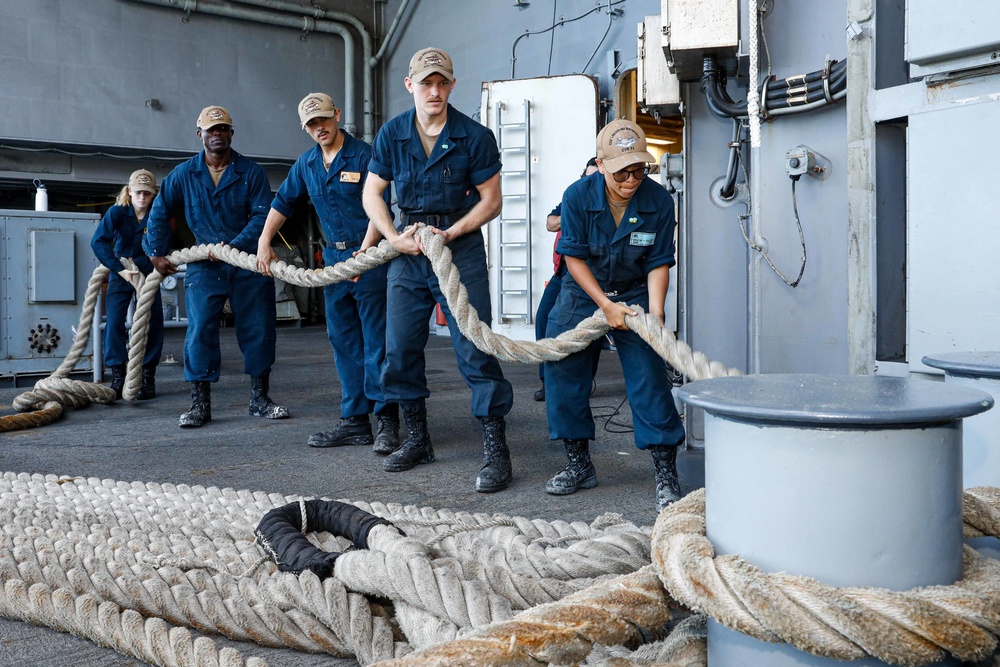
(851, 480)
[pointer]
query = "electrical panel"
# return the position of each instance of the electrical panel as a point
(693, 29)
(658, 89)
(963, 35)
(45, 266)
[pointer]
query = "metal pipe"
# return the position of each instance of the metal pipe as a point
(391, 31)
(320, 13)
(302, 23)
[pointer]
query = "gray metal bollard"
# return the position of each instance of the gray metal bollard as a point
(851, 480)
(981, 448)
(981, 434)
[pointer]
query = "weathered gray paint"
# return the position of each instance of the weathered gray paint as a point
(861, 194)
(851, 480)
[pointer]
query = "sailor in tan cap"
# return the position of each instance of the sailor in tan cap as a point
(331, 174)
(224, 197)
(119, 236)
(618, 245)
(447, 172)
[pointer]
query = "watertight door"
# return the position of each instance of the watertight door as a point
(545, 127)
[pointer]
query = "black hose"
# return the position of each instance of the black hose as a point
(718, 99)
(728, 189)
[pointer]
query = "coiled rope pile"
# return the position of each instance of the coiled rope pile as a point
(149, 569)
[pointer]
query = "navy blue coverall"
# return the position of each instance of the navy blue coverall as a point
(120, 235)
(355, 311)
(620, 259)
(232, 212)
(438, 190)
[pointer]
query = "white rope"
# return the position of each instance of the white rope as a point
(753, 88)
(48, 392)
(187, 555)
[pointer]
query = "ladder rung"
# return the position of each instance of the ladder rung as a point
(514, 244)
(521, 196)
(516, 221)
(519, 172)
(513, 291)
(514, 148)
(513, 268)
(514, 316)
(509, 125)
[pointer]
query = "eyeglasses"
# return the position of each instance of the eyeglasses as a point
(638, 174)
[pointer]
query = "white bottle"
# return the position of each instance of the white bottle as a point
(41, 196)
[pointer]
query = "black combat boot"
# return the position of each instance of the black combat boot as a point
(349, 431)
(496, 472)
(261, 404)
(118, 379)
(147, 389)
(387, 433)
(540, 393)
(416, 448)
(579, 474)
(668, 487)
(201, 406)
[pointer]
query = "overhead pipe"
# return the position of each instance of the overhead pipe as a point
(391, 31)
(302, 23)
(322, 14)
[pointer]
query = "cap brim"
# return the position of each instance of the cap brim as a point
(417, 78)
(209, 127)
(143, 188)
(616, 164)
(319, 114)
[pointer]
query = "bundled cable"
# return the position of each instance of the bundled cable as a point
(793, 94)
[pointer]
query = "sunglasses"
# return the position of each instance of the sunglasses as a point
(638, 174)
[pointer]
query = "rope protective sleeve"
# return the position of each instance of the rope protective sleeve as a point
(280, 533)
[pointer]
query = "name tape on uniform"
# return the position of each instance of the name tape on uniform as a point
(642, 238)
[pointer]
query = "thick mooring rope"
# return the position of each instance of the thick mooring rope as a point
(186, 555)
(132, 565)
(45, 401)
(916, 627)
